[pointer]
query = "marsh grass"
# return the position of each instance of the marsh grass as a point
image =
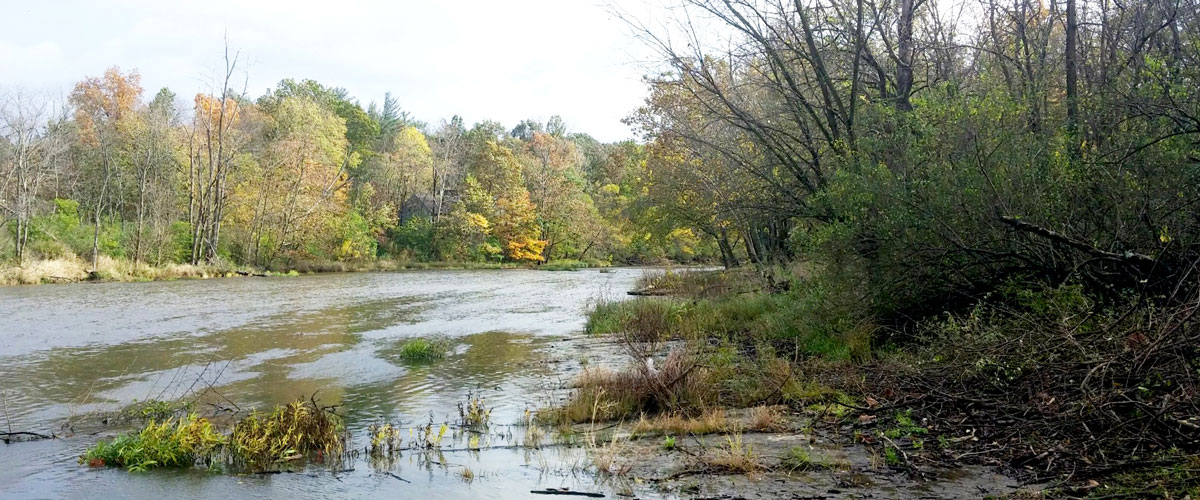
(709, 422)
(733, 456)
(606, 458)
(466, 474)
(767, 419)
(680, 385)
(155, 409)
(287, 433)
(385, 438)
(424, 350)
(570, 265)
(801, 458)
(696, 283)
(474, 412)
(186, 441)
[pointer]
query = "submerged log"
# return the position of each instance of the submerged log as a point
(564, 491)
(9, 437)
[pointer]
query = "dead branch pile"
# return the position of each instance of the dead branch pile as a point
(1059, 389)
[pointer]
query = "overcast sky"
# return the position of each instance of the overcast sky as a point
(501, 60)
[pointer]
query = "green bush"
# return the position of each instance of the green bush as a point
(169, 443)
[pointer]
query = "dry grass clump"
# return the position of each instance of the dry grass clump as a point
(606, 457)
(44, 271)
(679, 385)
(711, 421)
(733, 456)
(71, 268)
(767, 419)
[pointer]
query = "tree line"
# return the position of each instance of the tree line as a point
(929, 153)
(304, 173)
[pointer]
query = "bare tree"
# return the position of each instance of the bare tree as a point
(33, 143)
(211, 148)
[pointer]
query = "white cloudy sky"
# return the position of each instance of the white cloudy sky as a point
(501, 60)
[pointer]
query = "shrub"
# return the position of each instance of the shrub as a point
(285, 434)
(169, 443)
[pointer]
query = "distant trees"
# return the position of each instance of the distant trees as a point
(104, 114)
(34, 146)
(306, 174)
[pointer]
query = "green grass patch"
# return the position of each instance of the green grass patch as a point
(570, 265)
(783, 321)
(799, 458)
(421, 349)
(258, 442)
(186, 441)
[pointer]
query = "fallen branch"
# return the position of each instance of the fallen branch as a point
(564, 491)
(9, 436)
(1078, 245)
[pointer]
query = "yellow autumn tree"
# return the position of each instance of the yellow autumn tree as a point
(513, 215)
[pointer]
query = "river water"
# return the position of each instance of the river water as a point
(71, 352)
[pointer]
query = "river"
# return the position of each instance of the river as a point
(70, 352)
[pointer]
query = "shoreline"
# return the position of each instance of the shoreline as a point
(75, 271)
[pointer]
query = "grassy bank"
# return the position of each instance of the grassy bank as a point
(72, 269)
(1088, 397)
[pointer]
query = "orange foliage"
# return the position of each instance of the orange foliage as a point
(209, 107)
(105, 100)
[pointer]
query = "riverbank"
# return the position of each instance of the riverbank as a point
(76, 270)
(1012, 386)
(765, 451)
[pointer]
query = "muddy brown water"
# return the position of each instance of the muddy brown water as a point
(71, 353)
(67, 351)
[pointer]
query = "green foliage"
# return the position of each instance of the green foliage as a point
(799, 458)
(905, 427)
(357, 241)
(569, 265)
(807, 322)
(416, 235)
(891, 456)
(263, 440)
(169, 443)
(420, 349)
(60, 234)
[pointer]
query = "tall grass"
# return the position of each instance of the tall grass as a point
(681, 384)
(571, 264)
(171, 442)
(287, 433)
(258, 442)
(786, 322)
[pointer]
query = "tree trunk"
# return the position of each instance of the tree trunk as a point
(1072, 72)
(904, 55)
